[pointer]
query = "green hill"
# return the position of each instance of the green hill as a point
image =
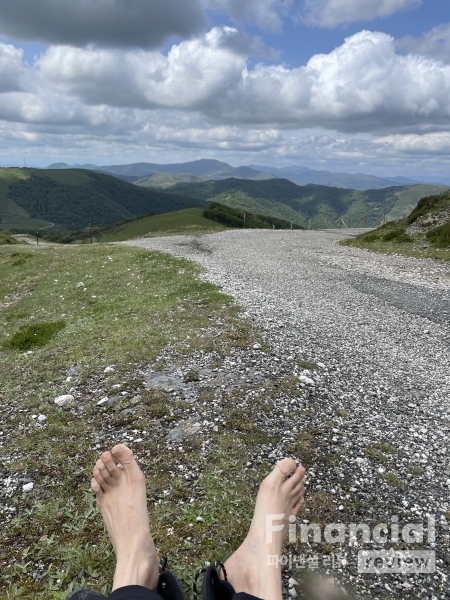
(189, 221)
(232, 217)
(73, 198)
(409, 197)
(166, 180)
(425, 232)
(317, 206)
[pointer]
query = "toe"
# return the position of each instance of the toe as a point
(123, 455)
(97, 475)
(95, 487)
(284, 468)
(298, 506)
(103, 471)
(298, 476)
(110, 465)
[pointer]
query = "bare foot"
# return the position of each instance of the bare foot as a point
(248, 569)
(122, 501)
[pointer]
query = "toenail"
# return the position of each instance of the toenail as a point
(285, 474)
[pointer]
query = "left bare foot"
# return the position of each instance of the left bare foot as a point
(122, 501)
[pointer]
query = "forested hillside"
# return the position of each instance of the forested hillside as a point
(74, 198)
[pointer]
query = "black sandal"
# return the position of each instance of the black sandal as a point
(168, 587)
(213, 588)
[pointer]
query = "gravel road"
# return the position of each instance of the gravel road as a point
(379, 327)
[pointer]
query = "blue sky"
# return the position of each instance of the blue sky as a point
(343, 85)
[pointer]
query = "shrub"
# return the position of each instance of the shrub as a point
(35, 334)
(370, 237)
(399, 236)
(20, 258)
(440, 236)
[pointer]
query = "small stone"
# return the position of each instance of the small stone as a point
(102, 401)
(80, 285)
(306, 380)
(256, 346)
(109, 370)
(64, 400)
(341, 507)
(72, 371)
(200, 519)
(41, 418)
(27, 487)
(183, 430)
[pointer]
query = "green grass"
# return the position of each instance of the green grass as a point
(186, 222)
(34, 334)
(6, 239)
(133, 303)
(305, 364)
(392, 480)
(392, 238)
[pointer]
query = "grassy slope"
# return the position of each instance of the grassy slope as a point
(393, 238)
(408, 199)
(167, 180)
(188, 222)
(135, 303)
(74, 197)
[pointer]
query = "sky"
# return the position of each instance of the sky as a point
(343, 85)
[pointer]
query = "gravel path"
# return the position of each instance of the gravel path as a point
(380, 326)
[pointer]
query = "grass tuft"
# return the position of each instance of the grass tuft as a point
(36, 334)
(304, 364)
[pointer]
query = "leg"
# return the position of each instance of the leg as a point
(247, 569)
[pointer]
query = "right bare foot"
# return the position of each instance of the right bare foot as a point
(121, 498)
(248, 569)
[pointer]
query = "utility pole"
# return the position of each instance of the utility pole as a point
(37, 238)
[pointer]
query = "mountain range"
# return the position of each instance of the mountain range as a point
(166, 175)
(73, 198)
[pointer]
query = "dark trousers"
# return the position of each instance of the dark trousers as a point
(134, 592)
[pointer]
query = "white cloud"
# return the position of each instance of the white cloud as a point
(362, 85)
(330, 13)
(428, 144)
(193, 74)
(11, 68)
(117, 23)
(362, 103)
(266, 14)
(434, 43)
